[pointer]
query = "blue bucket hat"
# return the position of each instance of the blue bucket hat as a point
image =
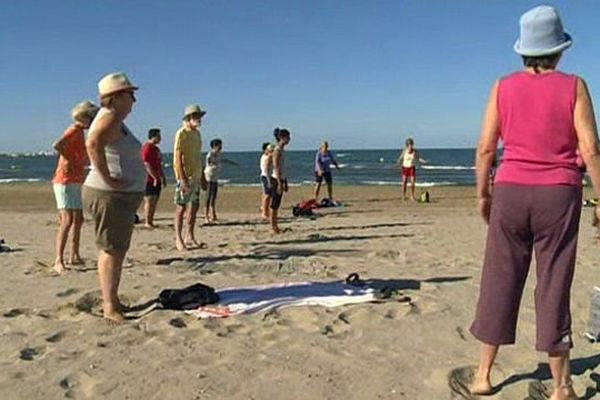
(541, 33)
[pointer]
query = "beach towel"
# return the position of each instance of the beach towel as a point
(254, 299)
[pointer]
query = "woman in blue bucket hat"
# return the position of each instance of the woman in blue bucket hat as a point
(542, 117)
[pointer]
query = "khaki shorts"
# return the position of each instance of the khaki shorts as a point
(192, 196)
(114, 215)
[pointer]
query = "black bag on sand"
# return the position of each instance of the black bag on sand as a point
(188, 298)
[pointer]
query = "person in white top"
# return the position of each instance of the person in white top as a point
(214, 159)
(408, 160)
(266, 169)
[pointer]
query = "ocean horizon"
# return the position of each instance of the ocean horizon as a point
(444, 167)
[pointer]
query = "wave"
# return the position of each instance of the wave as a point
(341, 155)
(342, 165)
(418, 184)
(448, 167)
(21, 180)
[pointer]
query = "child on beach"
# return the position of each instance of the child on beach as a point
(408, 160)
(67, 181)
(211, 174)
(155, 177)
(266, 169)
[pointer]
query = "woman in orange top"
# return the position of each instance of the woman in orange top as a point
(69, 175)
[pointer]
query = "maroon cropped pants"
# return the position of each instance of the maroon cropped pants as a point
(527, 218)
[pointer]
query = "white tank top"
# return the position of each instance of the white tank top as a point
(409, 159)
(124, 160)
(264, 165)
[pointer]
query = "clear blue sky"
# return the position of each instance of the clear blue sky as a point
(362, 74)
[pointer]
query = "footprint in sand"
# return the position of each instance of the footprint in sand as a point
(67, 292)
(459, 381)
(15, 312)
(31, 353)
(55, 337)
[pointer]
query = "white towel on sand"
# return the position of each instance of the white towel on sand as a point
(253, 299)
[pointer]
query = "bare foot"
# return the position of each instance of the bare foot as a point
(59, 266)
(265, 216)
(76, 260)
(180, 245)
(481, 387)
(565, 392)
(114, 318)
(214, 218)
(149, 226)
(276, 231)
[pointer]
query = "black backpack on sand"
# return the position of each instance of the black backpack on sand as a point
(188, 298)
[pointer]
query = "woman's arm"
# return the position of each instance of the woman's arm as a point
(105, 132)
(486, 152)
(587, 133)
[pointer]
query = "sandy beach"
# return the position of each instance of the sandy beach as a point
(53, 343)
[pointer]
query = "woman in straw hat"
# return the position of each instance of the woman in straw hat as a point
(69, 175)
(114, 188)
(542, 116)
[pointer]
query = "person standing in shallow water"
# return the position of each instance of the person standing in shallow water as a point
(67, 181)
(542, 116)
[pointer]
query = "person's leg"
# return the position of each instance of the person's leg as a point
(275, 203)
(190, 238)
(264, 206)
(330, 188)
(556, 225)
(209, 195)
(404, 184)
(482, 382)
(66, 220)
(153, 204)
(109, 274)
(317, 189)
(147, 222)
(506, 264)
(413, 181)
(213, 201)
(560, 367)
(76, 237)
(179, 213)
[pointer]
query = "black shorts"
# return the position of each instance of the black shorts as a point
(152, 190)
(266, 185)
(275, 195)
(326, 175)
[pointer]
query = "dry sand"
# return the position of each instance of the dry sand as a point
(53, 343)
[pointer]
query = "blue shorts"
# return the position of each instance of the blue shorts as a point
(68, 197)
(266, 184)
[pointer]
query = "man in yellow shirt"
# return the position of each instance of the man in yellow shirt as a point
(188, 167)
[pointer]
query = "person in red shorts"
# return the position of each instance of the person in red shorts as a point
(155, 176)
(408, 160)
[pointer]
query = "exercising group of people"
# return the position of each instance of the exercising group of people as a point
(543, 117)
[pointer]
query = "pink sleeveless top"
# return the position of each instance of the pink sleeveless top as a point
(536, 127)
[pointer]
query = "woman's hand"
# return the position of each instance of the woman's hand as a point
(484, 205)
